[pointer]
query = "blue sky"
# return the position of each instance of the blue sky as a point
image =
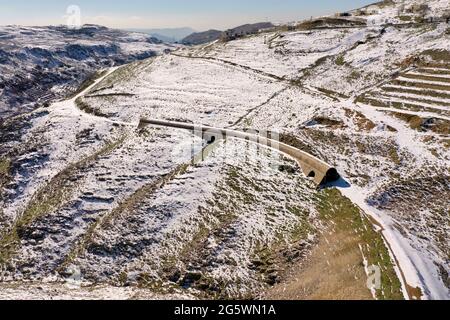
(198, 14)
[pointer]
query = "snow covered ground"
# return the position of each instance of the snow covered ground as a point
(87, 190)
(41, 64)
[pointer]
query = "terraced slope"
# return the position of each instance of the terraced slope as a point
(422, 90)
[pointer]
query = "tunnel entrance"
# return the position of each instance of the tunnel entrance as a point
(331, 176)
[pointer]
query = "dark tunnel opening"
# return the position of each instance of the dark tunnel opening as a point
(331, 176)
(211, 139)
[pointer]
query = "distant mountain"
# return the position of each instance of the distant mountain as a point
(212, 35)
(249, 29)
(163, 38)
(168, 35)
(202, 37)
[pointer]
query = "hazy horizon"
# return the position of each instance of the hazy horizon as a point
(197, 14)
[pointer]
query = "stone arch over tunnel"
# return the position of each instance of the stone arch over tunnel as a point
(320, 171)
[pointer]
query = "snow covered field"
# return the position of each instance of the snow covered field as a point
(84, 189)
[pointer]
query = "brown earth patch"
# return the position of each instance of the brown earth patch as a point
(360, 120)
(333, 271)
(426, 77)
(421, 85)
(439, 126)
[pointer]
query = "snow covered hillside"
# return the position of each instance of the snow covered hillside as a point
(91, 199)
(39, 64)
